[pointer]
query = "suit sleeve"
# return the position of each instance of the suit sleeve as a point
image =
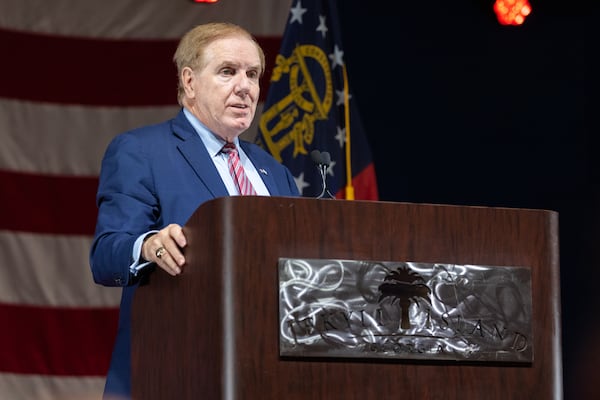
(127, 207)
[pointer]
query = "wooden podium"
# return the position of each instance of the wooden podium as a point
(212, 332)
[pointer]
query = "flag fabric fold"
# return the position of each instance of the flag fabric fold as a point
(310, 107)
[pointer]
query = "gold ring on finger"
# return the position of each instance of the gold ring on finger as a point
(160, 252)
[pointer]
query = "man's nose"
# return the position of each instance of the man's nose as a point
(243, 84)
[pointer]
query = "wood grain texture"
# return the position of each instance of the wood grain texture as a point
(213, 332)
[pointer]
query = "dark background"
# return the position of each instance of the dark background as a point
(459, 109)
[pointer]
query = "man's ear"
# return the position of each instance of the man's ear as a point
(187, 78)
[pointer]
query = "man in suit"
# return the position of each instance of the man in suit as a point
(153, 178)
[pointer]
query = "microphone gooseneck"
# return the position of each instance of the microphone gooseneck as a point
(322, 161)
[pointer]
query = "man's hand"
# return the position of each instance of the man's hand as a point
(164, 248)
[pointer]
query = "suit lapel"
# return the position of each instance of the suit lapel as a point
(263, 170)
(196, 155)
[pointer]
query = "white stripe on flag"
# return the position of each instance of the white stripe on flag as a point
(50, 270)
(35, 387)
(150, 19)
(65, 139)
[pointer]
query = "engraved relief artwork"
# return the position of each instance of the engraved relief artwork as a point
(406, 310)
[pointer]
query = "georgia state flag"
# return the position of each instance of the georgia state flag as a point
(310, 107)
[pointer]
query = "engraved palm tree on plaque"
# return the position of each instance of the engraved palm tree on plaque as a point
(404, 286)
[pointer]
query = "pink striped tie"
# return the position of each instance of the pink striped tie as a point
(237, 171)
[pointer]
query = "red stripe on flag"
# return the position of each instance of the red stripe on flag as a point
(48, 204)
(92, 71)
(364, 184)
(56, 341)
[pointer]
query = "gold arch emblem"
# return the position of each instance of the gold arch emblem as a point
(291, 120)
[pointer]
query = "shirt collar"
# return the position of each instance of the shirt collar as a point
(213, 143)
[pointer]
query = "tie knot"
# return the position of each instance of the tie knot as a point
(229, 147)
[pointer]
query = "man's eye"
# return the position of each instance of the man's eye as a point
(253, 74)
(228, 71)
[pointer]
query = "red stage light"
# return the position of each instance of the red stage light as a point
(512, 12)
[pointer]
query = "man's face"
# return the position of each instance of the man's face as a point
(223, 94)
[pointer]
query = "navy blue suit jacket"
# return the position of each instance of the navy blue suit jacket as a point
(151, 177)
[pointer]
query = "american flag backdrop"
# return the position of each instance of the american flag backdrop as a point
(74, 73)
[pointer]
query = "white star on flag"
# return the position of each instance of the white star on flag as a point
(297, 13)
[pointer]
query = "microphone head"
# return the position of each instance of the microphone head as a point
(326, 158)
(316, 157)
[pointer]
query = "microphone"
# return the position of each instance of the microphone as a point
(316, 157)
(322, 161)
